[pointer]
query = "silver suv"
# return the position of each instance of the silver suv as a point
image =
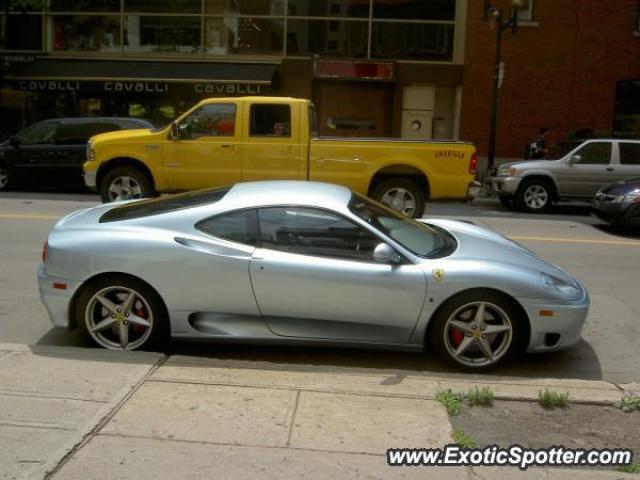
(534, 185)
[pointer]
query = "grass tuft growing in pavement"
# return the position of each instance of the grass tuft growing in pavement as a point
(452, 401)
(631, 468)
(480, 396)
(550, 399)
(629, 403)
(463, 439)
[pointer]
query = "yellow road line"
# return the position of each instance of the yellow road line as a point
(29, 217)
(578, 240)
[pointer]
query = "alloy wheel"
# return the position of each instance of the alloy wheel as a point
(478, 334)
(536, 197)
(119, 318)
(401, 200)
(124, 188)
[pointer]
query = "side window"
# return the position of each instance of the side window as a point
(240, 226)
(630, 153)
(309, 231)
(215, 120)
(41, 133)
(595, 153)
(270, 120)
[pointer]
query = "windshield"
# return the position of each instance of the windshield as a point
(422, 240)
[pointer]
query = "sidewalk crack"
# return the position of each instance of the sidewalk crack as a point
(293, 418)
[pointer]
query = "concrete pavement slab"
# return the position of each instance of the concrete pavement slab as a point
(359, 424)
(113, 457)
(207, 413)
(51, 398)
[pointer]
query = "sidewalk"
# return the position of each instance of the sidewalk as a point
(88, 413)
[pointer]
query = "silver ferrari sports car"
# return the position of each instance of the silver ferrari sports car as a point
(303, 263)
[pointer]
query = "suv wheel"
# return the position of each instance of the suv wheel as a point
(534, 195)
(125, 183)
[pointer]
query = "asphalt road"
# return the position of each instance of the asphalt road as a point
(606, 260)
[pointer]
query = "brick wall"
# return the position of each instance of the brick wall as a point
(561, 73)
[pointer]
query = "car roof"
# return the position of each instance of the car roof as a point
(98, 119)
(286, 192)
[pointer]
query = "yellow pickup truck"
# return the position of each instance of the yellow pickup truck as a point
(221, 141)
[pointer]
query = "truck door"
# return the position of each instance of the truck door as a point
(207, 152)
(271, 146)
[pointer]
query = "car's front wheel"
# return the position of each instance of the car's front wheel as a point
(477, 330)
(122, 313)
(534, 196)
(125, 183)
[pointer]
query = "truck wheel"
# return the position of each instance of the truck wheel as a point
(401, 195)
(125, 183)
(535, 195)
(4, 178)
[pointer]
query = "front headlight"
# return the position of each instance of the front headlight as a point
(568, 289)
(512, 171)
(91, 156)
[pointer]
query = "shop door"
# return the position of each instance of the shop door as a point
(353, 109)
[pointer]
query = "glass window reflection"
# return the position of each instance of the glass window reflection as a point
(412, 41)
(82, 33)
(162, 34)
(163, 6)
(327, 37)
(244, 35)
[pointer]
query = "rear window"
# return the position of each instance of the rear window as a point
(171, 203)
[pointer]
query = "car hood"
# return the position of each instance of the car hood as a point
(624, 187)
(527, 165)
(479, 243)
(124, 136)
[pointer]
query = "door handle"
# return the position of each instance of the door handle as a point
(610, 169)
(225, 145)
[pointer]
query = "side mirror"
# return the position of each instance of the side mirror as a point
(575, 159)
(385, 254)
(174, 133)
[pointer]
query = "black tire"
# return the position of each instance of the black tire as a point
(442, 340)
(411, 189)
(506, 201)
(535, 195)
(147, 299)
(5, 178)
(143, 181)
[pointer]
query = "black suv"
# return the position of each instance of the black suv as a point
(51, 153)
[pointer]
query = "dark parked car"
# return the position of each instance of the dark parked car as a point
(618, 203)
(51, 153)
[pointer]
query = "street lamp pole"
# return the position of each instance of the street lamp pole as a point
(495, 14)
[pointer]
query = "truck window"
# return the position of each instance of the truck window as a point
(215, 120)
(268, 120)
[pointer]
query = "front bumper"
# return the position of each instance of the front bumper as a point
(56, 300)
(505, 186)
(618, 213)
(561, 330)
(90, 178)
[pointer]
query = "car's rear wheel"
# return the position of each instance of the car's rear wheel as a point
(4, 178)
(125, 183)
(122, 313)
(477, 330)
(534, 195)
(402, 195)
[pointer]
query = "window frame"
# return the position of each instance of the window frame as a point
(587, 145)
(620, 157)
(366, 228)
(526, 14)
(269, 104)
(231, 212)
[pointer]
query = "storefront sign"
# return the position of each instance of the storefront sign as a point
(228, 88)
(48, 86)
(138, 87)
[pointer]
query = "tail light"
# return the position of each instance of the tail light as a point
(45, 252)
(473, 163)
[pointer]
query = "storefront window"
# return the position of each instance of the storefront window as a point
(333, 38)
(412, 41)
(80, 33)
(415, 9)
(244, 7)
(84, 6)
(162, 34)
(20, 32)
(163, 6)
(329, 8)
(244, 35)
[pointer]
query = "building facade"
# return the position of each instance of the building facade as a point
(406, 68)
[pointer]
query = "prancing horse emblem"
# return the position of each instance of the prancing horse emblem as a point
(438, 274)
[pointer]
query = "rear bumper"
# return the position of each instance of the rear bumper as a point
(55, 298)
(561, 330)
(473, 190)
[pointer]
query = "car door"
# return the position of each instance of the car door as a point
(583, 176)
(314, 277)
(207, 152)
(271, 147)
(70, 151)
(628, 160)
(30, 160)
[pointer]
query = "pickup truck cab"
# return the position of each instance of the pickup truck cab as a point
(222, 141)
(535, 185)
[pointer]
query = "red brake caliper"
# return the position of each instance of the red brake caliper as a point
(139, 329)
(456, 336)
